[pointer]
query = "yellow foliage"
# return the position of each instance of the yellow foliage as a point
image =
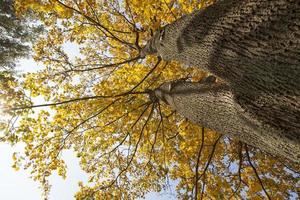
(128, 145)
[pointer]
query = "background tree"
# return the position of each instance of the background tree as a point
(103, 108)
(16, 38)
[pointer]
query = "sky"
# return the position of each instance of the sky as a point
(16, 185)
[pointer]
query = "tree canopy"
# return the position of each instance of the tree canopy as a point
(16, 39)
(102, 107)
(17, 34)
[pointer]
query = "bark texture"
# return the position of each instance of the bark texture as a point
(212, 105)
(254, 46)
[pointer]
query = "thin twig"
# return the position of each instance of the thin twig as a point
(256, 173)
(197, 164)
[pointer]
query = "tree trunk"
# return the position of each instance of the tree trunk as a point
(254, 46)
(212, 105)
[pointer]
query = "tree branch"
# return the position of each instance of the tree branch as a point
(134, 152)
(96, 23)
(256, 173)
(197, 164)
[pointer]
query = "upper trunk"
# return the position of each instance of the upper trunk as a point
(254, 45)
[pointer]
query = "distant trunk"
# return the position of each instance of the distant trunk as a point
(254, 46)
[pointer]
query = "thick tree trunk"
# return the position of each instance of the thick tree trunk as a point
(212, 105)
(253, 45)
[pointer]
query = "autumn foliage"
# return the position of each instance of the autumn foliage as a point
(99, 104)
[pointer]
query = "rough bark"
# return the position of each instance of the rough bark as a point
(212, 105)
(254, 46)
